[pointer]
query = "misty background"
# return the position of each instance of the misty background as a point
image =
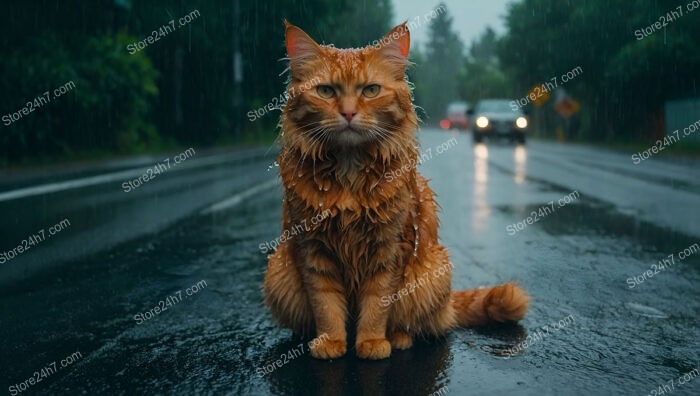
(195, 85)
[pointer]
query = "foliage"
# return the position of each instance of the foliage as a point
(482, 77)
(625, 80)
(105, 106)
(180, 89)
(443, 59)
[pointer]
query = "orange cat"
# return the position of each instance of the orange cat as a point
(373, 261)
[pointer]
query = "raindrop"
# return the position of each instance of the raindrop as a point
(415, 244)
(647, 311)
(274, 165)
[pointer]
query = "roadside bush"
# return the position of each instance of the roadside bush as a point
(106, 110)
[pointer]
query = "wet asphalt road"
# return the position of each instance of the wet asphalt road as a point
(123, 253)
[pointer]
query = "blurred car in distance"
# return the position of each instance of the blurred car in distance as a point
(456, 116)
(495, 118)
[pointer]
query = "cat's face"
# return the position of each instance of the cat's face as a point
(348, 97)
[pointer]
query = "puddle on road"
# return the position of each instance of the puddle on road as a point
(590, 217)
(498, 340)
(424, 368)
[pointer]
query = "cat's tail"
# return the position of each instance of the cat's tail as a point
(500, 304)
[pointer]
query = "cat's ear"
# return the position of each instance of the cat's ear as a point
(394, 46)
(300, 47)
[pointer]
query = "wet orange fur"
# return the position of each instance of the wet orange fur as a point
(381, 233)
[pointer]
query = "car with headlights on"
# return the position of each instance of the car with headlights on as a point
(496, 118)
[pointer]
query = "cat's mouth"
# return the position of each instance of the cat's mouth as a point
(351, 135)
(351, 129)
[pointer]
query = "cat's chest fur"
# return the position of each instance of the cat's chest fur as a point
(361, 225)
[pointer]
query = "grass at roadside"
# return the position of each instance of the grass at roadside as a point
(688, 149)
(250, 138)
(681, 149)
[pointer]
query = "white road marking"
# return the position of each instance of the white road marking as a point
(111, 177)
(238, 198)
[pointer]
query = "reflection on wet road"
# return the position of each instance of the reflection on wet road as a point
(588, 331)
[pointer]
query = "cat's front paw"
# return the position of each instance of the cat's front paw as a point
(329, 349)
(401, 340)
(374, 349)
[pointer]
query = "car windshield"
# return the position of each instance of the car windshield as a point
(497, 106)
(457, 108)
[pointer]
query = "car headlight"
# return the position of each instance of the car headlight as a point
(482, 122)
(521, 122)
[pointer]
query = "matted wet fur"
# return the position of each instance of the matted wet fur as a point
(349, 121)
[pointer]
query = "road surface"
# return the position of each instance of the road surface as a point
(578, 227)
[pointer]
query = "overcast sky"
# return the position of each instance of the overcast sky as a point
(470, 17)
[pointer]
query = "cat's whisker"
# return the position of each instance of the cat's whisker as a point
(298, 137)
(316, 138)
(391, 139)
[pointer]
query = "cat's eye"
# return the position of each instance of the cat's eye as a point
(371, 91)
(325, 91)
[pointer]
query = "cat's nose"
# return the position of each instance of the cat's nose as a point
(348, 115)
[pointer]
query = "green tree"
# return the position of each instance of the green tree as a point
(625, 80)
(482, 76)
(179, 89)
(436, 78)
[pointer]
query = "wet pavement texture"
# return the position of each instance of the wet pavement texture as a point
(597, 324)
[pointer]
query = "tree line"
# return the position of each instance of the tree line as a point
(627, 59)
(153, 75)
